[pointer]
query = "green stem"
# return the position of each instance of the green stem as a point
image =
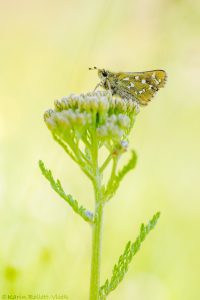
(97, 226)
(106, 162)
(96, 253)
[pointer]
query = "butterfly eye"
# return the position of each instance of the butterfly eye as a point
(104, 73)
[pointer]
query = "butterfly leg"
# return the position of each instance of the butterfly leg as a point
(99, 84)
(109, 86)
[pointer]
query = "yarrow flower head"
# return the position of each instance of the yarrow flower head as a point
(77, 118)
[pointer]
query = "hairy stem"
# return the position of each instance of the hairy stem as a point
(97, 226)
(96, 253)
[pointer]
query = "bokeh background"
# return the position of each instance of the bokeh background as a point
(45, 50)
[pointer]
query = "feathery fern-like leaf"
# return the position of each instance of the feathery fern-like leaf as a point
(125, 259)
(57, 187)
(114, 183)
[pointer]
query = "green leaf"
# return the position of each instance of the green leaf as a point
(76, 155)
(64, 146)
(115, 182)
(125, 259)
(129, 166)
(57, 187)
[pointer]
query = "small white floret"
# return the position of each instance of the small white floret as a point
(143, 81)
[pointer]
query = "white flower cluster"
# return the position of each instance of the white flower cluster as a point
(114, 126)
(66, 119)
(79, 115)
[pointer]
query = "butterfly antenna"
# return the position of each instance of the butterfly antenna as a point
(94, 68)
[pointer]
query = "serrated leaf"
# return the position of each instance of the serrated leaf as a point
(115, 182)
(125, 259)
(57, 187)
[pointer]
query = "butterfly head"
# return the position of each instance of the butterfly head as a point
(102, 73)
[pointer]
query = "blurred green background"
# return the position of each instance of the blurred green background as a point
(46, 49)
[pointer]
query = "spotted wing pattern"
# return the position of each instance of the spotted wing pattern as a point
(141, 86)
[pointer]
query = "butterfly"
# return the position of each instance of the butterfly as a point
(136, 86)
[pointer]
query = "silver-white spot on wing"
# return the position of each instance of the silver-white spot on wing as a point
(131, 85)
(142, 91)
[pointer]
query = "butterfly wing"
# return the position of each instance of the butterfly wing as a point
(141, 85)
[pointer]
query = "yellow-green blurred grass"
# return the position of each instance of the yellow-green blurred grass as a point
(45, 51)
